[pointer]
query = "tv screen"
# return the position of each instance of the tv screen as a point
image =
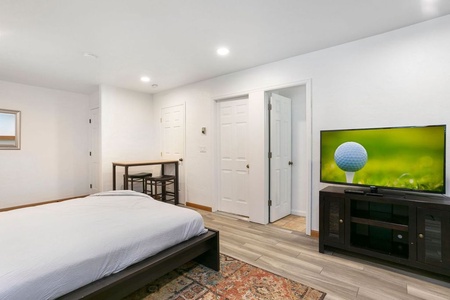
(405, 158)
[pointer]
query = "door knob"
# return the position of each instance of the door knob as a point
(247, 166)
(290, 163)
(181, 159)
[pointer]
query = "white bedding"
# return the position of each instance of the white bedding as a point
(49, 250)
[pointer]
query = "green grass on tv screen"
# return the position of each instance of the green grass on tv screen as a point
(405, 158)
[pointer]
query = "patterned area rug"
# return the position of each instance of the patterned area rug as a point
(236, 280)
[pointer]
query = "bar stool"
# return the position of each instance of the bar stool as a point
(163, 182)
(139, 177)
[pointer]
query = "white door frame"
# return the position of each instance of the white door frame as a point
(95, 183)
(259, 93)
(308, 172)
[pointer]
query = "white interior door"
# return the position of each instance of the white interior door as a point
(280, 162)
(94, 151)
(234, 168)
(173, 137)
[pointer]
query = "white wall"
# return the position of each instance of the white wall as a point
(52, 162)
(127, 131)
(392, 79)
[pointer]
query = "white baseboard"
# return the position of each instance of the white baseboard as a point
(298, 213)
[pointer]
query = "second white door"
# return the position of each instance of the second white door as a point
(280, 162)
(94, 152)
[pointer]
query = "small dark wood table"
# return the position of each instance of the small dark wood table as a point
(128, 164)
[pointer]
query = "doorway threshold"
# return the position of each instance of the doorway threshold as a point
(292, 222)
(234, 216)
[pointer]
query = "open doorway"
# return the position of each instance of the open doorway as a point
(300, 189)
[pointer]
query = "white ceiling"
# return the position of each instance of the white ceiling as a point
(42, 42)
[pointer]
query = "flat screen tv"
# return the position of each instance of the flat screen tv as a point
(404, 158)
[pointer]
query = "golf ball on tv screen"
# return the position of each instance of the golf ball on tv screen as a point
(350, 156)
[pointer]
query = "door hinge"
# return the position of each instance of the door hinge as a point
(160, 120)
(90, 153)
(90, 186)
(161, 153)
(270, 154)
(90, 121)
(270, 106)
(270, 202)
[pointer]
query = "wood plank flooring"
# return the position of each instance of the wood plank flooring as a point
(295, 255)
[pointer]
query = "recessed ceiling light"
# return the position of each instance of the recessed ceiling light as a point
(145, 79)
(430, 7)
(223, 51)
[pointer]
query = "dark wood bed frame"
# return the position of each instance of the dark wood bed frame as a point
(204, 249)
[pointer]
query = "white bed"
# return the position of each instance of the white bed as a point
(49, 250)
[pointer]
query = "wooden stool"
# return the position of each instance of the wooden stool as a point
(161, 181)
(139, 177)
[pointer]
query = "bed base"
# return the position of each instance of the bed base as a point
(204, 249)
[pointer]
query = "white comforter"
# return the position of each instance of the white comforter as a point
(49, 250)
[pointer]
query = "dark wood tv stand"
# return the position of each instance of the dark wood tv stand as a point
(408, 229)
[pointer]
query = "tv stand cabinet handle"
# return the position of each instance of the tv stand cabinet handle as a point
(421, 235)
(341, 221)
